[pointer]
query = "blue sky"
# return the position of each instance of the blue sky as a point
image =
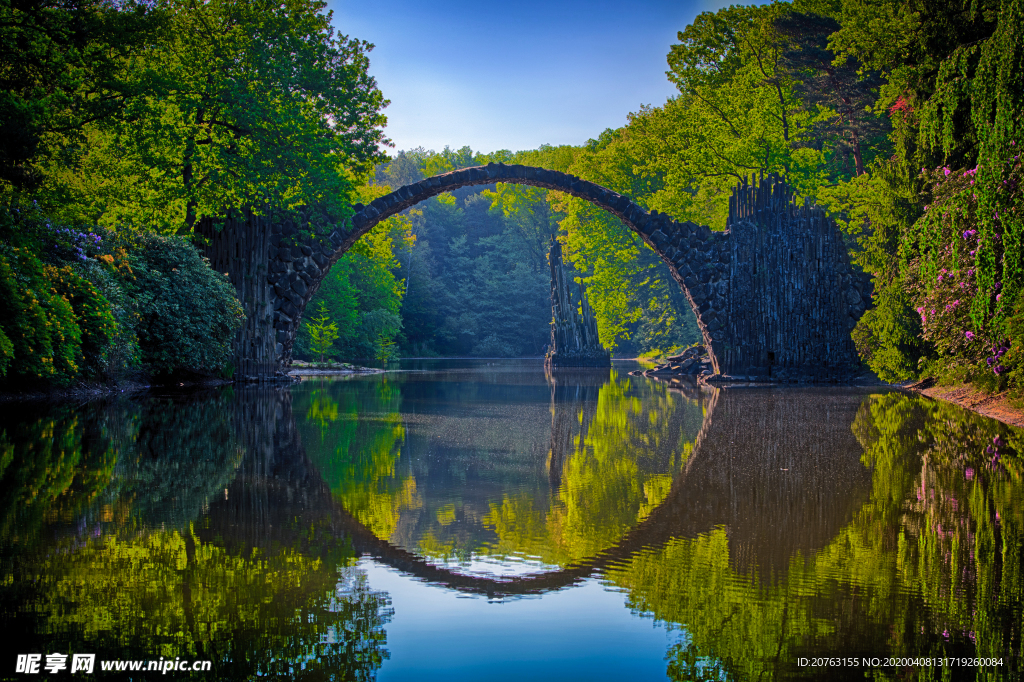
(515, 75)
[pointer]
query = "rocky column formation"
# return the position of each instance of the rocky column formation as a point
(239, 247)
(574, 339)
(691, 362)
(794, 296)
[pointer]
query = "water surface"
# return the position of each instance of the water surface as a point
(467, 520)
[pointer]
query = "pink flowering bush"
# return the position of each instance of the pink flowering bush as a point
(955, 264)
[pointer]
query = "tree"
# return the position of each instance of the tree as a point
(254, 103)
(322, 333)
(65, 65)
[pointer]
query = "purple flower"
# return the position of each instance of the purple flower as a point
(969, 473)
(969, 335)
(998, 296)
(946, 171)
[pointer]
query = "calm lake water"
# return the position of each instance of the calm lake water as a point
(484, 520)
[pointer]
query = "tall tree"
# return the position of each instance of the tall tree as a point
(64, 65)
(256, 103)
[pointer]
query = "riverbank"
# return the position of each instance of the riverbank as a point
(993, 405)
(308, 369)
(92, 391)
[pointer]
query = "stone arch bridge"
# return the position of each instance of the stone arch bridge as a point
(775, 296)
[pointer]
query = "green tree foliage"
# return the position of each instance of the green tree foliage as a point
(187, 313)
(362, 292)
(145, 118)
(253, 104)
(939, 222)
(65, 66)
(322, 333)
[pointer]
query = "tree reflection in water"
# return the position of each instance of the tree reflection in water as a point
(763, 524)
(462, 481)
(928, 565)
(108, 545)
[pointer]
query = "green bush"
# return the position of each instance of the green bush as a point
(187, 313)
(92, 315)
(44, 341)
(888, 336)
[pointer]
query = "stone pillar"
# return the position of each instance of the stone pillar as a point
(238, 247)
(574, 339)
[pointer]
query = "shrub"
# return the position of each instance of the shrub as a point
(888, 335)
(43, 338)
(187, 313)
(92, 314)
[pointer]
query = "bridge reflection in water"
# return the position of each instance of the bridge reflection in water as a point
(763, 524)
(778, 471)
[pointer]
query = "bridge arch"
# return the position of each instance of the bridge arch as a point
(774, 295)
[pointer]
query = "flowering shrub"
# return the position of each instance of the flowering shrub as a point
(77, 304)
(964, 276)
(187, 313)
(43, 339)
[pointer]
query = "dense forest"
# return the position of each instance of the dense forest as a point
(125, 124)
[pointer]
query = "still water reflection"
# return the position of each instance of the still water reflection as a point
(490, 521)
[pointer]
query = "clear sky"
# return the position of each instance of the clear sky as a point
(515, 75)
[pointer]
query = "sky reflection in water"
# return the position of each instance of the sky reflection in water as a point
(468, 521)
